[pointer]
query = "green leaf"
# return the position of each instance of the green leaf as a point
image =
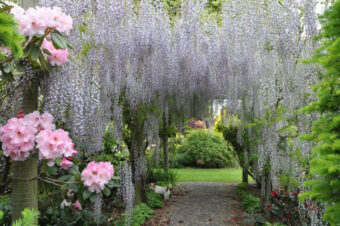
(58, 161)
(35, 53)
(106, 191)
(93, 197)
(86, 194)
(58, 40)
(65, 178)
(74, 170)
(47, 52)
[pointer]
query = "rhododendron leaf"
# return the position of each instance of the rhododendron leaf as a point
(111, 184)
(74, 170)
(27, 50)
(58, 161)
(65, 178)
(35, 53)
(44, 64)
(59, 42)
(86, 194)
(106, 191)
(47, 52)
(68, 45)
(93, 197)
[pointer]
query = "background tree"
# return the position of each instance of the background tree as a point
(325, 164)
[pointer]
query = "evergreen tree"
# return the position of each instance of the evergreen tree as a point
(325, 165)
(9, 34)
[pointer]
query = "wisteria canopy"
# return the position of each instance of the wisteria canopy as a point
(128, 56)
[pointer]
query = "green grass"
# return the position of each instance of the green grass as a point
(210, 175)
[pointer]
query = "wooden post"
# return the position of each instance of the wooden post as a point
(25, 183)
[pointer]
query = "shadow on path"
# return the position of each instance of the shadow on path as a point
(200, 203)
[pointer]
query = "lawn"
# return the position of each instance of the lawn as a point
(210, 175)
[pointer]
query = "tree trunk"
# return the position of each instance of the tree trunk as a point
(245, 167)
(245, 175)
(136, 153)
(165, 144)
(25, 183)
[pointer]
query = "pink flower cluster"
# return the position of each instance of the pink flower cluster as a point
(43, 122)
(96, 175)
(35, 21)
(58, 56)
(17, 138)
(18, 135)
(54, 144)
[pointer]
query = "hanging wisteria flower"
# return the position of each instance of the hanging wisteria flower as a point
(17, 138)
(57, 57)
(54, 144)
(96, 175)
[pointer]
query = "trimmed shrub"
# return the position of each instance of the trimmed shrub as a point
(207, 150)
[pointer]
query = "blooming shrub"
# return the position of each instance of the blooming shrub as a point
(196, 124)
(49, 24)
(96, 175)
(18, 138)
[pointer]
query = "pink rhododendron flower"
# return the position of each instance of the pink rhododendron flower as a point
(77, 205)
(43, 122)
(21, 114)
(96, 175)
(65, 164)
(36, 20)
(17, 138)
(58, 56)
(54, 144)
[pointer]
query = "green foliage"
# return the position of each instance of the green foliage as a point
(29, 218)
(67, 216)
(140, 214)
(325, 165)
(204, 149)
(154, 200)
(251, 203)
(241, 188)
(9, 34)
(161, 177)
(6, 208)
(288, 182)
(179, 161)
(1, 215)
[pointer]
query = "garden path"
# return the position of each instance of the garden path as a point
(201, 203)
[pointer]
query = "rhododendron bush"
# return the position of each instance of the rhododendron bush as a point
(19, 135)
(23, 133)
(45, 29)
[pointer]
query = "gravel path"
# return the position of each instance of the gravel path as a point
(201, 203)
